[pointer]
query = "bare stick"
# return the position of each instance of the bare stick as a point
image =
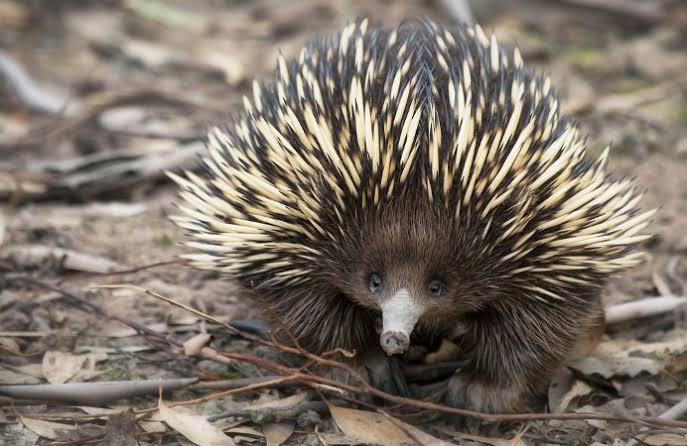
(30, 93)
(91, 393)
(642, 308)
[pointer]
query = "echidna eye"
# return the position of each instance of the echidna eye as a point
(375, 283)
(436, 287)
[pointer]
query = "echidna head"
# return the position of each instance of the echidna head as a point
(407, 266)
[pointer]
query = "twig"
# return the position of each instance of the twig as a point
(248, 388)
(676, 411)
(642, 308)
(199, 313)
(91, 393)
(34, 254)
(645, 12)
(97, 103)
(232, 383)
(86, 274)
(30, 93)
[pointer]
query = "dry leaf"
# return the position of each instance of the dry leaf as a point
(9, 345)
(368, 427)
(277, 433)
(46, 429)
(630, 358)
(59, 367)
(424, 438)
(8, 377)
(195, 345)
(665, 439)
(193, 426)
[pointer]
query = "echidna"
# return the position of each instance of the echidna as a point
(421, 175)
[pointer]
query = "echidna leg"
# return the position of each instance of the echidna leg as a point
(514, 349)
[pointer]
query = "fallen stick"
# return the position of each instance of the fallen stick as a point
(29, 92)
(643, 308)
(91, 393)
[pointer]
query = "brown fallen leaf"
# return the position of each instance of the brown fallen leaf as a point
(665, 439)
(422, 437)
(368, 427)
(46, 429)
(59, 367)
(277, 433)
(193, 426)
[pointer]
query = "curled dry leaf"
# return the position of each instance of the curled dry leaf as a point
(193, 346)
(193, 426)
(368, 427)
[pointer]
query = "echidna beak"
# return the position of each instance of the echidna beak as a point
(399, 315)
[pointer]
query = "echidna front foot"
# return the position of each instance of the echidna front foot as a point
(384, 373)
(469, 393)
(465, 392)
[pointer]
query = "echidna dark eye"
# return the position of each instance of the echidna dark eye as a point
(436, 287)
(376, 283)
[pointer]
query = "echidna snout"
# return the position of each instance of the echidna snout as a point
(400, 313)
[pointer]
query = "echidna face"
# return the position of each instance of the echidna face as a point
(407, 268)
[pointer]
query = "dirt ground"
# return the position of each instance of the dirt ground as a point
(115, 93)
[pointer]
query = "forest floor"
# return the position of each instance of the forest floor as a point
(120, 92)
